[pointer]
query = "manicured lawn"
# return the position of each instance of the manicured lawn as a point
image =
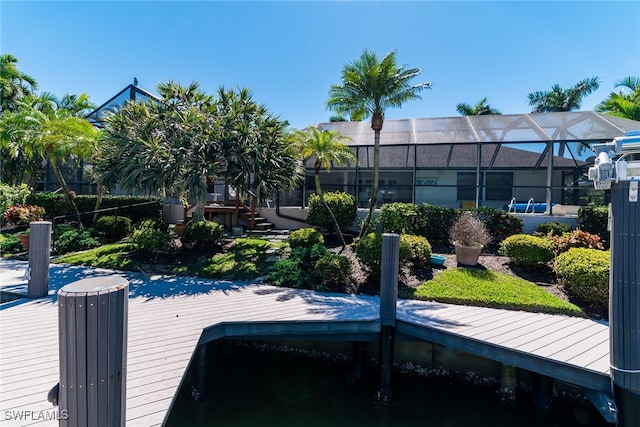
(114, 256)
(486, 288)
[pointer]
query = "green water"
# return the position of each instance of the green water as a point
(248, 387)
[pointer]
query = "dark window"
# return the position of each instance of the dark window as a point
(466, 186)
(499, 185)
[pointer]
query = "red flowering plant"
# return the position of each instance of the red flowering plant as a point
(23, 214)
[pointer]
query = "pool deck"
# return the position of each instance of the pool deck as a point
(170, 315)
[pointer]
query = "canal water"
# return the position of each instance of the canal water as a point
(250, 386)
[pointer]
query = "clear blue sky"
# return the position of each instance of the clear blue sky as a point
(289, 53)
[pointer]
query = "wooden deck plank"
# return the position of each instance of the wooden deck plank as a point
(164, 329)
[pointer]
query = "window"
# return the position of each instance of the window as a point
(498, 185)
(466, 186)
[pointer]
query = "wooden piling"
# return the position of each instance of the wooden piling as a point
(39, 253)
(388, 300)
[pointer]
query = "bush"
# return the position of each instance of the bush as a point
(527, 250)
(342, 205)
(584, 273)
(411, 248)
(203, 233)
(435, 222)
(419, 248)
(499, 224)
(69, 239)
(575, 239)
(593, 219)
(114, 227)
(151, 241)
(401, 218)
(23, 214)
(332, 273)
(305, 237)
(151, 223)
(297, 271)
(10, 195)
(10, 244)
(553, 228)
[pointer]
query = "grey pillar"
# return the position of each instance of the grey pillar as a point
(624, 302)
(388, 300)
(92, 316)
(39, 252)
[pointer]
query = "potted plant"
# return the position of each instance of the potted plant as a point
(24, 238)
(469, 235)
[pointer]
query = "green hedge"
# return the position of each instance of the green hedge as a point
(527, 250)
(56, 206)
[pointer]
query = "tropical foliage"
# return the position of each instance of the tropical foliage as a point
(327, 148)
(624, 103)
(370, 86)
(562, 99)
(480, 109)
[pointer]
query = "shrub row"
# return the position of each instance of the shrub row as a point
(55, 205)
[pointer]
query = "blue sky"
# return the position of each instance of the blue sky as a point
(289, 53)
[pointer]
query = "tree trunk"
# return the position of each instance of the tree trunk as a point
(333, 217)
(65, 190)
(201, 201)
(96, 208)
(374, 183)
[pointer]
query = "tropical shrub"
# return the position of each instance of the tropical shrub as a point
(304, 237)
(11, 195)
(553, 229)
(584, 273)
(411, 248)
(401, 218)
(151, 240)
(593, 220)
(10, 244)
(575, 239)
(420, 248)
(332, 273)
(114, 227)
(23, 214)
(297, 271)
(70, 239)
(152, 223)
(203, 233)
(527, 250)
(342, 205)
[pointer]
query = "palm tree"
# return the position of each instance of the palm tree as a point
(368, 88)
(480, 109)
(40, 129)
(626, 102)
(327, 148)
(562, 99)
(14, 84)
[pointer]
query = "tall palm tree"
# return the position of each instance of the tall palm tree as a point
(626, 102)
(562, 99)
(368, 88)
(480, 109)
(327, 147)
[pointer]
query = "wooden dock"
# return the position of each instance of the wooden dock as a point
(169, 316)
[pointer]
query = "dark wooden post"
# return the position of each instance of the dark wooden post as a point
(92, 316)
(39, 253)
(388, 299)
(624, 303)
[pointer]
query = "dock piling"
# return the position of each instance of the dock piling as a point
(39, 253)
(388, 300)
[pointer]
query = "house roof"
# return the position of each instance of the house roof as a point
(129, 93)
(582, 126)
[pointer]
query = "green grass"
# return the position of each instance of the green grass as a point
(487, 288)
(108, 256)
